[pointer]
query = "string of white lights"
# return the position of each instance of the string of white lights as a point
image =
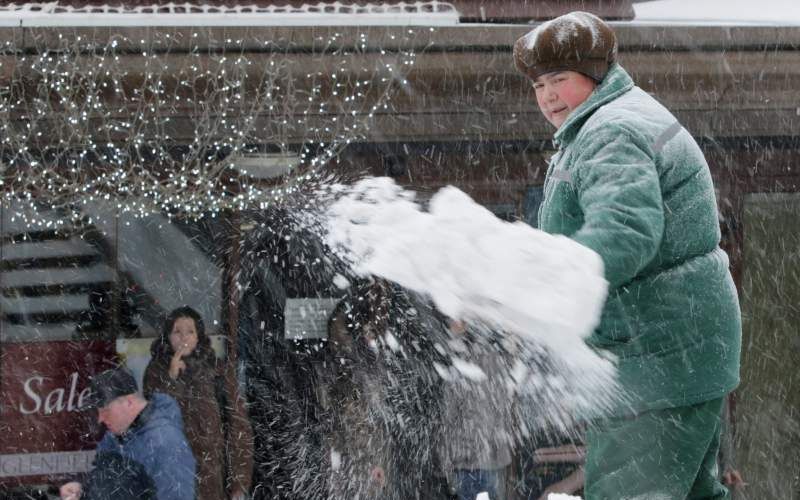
(154, 131)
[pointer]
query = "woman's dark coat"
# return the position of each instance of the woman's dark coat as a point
(199, 390)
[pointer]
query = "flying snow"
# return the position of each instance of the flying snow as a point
(542, 288)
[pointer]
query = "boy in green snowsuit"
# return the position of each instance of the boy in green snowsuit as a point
(629, 182)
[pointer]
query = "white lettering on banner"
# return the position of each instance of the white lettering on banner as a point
(31, 394)
(45, 464)
(51, 404)
(54, 400)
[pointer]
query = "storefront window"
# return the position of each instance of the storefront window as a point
(192, 163)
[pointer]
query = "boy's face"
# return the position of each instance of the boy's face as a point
(561, 92)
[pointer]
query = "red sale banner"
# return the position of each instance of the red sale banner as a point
(42, 389)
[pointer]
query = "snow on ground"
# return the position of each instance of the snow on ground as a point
(769, 12)
(510, 277)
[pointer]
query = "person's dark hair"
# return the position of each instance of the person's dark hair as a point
(355, 310)
(162, 347)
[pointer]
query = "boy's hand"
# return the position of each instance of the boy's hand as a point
(733, 479)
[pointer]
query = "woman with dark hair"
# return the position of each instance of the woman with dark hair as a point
(184, 366)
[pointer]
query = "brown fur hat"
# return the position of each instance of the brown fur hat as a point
(577, 41)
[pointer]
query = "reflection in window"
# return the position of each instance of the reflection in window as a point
(103, 276)
(56, 281)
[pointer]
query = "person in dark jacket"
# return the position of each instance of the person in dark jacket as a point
(149, 433)
(360, 445)
(478, 415)
(118, 477)
(630, 183)
(215, 420)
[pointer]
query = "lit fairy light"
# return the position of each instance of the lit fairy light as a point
(153, 132)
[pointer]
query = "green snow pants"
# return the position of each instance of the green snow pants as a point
(668, 454)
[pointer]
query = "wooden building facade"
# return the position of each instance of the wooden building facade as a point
(443, 105)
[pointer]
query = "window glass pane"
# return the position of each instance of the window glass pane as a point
(57, 276)
(56, 311)
(767, 423)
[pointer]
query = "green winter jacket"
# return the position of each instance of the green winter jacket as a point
(632, 184)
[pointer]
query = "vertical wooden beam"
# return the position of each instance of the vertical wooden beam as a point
(231, 295)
